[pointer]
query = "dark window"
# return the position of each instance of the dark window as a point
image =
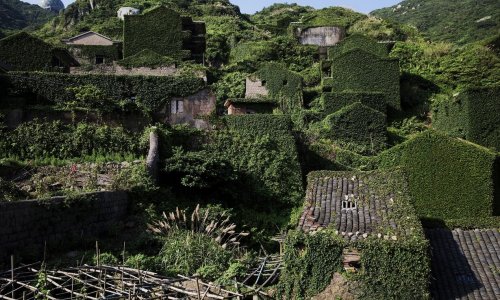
(285, 82)
(264, 83)
(99, 59)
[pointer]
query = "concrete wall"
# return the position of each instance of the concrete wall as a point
(90, 39)
(320, 36)
(25, 226)
(255, 88)
(195, 107)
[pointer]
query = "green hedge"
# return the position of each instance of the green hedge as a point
(358, 124)
(449, 178)
(151, 92)
(360, 70)
(260, 124)
(473, 115)
(284, 86)
(333, 102)
(25, 52)
(159, 30)
(357, 41)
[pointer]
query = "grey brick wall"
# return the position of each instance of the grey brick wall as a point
(25, 226)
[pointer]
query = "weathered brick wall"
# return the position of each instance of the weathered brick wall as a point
(25, 226)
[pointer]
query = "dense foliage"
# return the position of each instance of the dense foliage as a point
(40, 139)
(16, 14)
(448, 178)
(359, 124)
(143, 32)
(25, 52)
(352, 74)
(147, 58)
(150, 92)
(441, 20)
(472, 115)
(334, 101)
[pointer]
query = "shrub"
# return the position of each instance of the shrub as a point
(10, 192)
(39, 139)
(203, 169)
(448, 178)
(262, 150)
(472, 115)
(359, 124)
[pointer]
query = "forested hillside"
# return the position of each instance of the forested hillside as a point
(15, 14)
(461, 21)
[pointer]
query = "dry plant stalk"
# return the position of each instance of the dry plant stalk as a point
(219, 229)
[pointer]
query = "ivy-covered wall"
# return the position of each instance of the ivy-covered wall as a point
(449, 178)
(284, 86)
(360, 71)
(333, 102)
(359, 124)
(358, 41)
(24, 52)
(151, 92)
(473, 115)
(89, 52)
(159, 30)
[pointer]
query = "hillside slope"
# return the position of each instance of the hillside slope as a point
(15, 14)
(461, 21)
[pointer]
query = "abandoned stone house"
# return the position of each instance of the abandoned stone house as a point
(191, 110)
(93, 48)
(323, 36)
(246, 106)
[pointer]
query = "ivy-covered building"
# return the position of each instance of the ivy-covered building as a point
(165, 32)
(24, 52)
(361, 224)
(94, 48)
(472, 115)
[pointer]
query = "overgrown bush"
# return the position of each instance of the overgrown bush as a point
(40, 139)
(333, 102)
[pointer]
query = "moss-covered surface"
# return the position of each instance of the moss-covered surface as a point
(147, 58)
(358, 41)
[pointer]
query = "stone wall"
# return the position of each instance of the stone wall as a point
(25, 226)
(255, 88)
(195, 109)
(115, 69)
(320, 36)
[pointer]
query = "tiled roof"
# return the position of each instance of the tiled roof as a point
(465, 264)
(373, 214)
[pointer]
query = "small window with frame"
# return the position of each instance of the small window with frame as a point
(177, 106)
